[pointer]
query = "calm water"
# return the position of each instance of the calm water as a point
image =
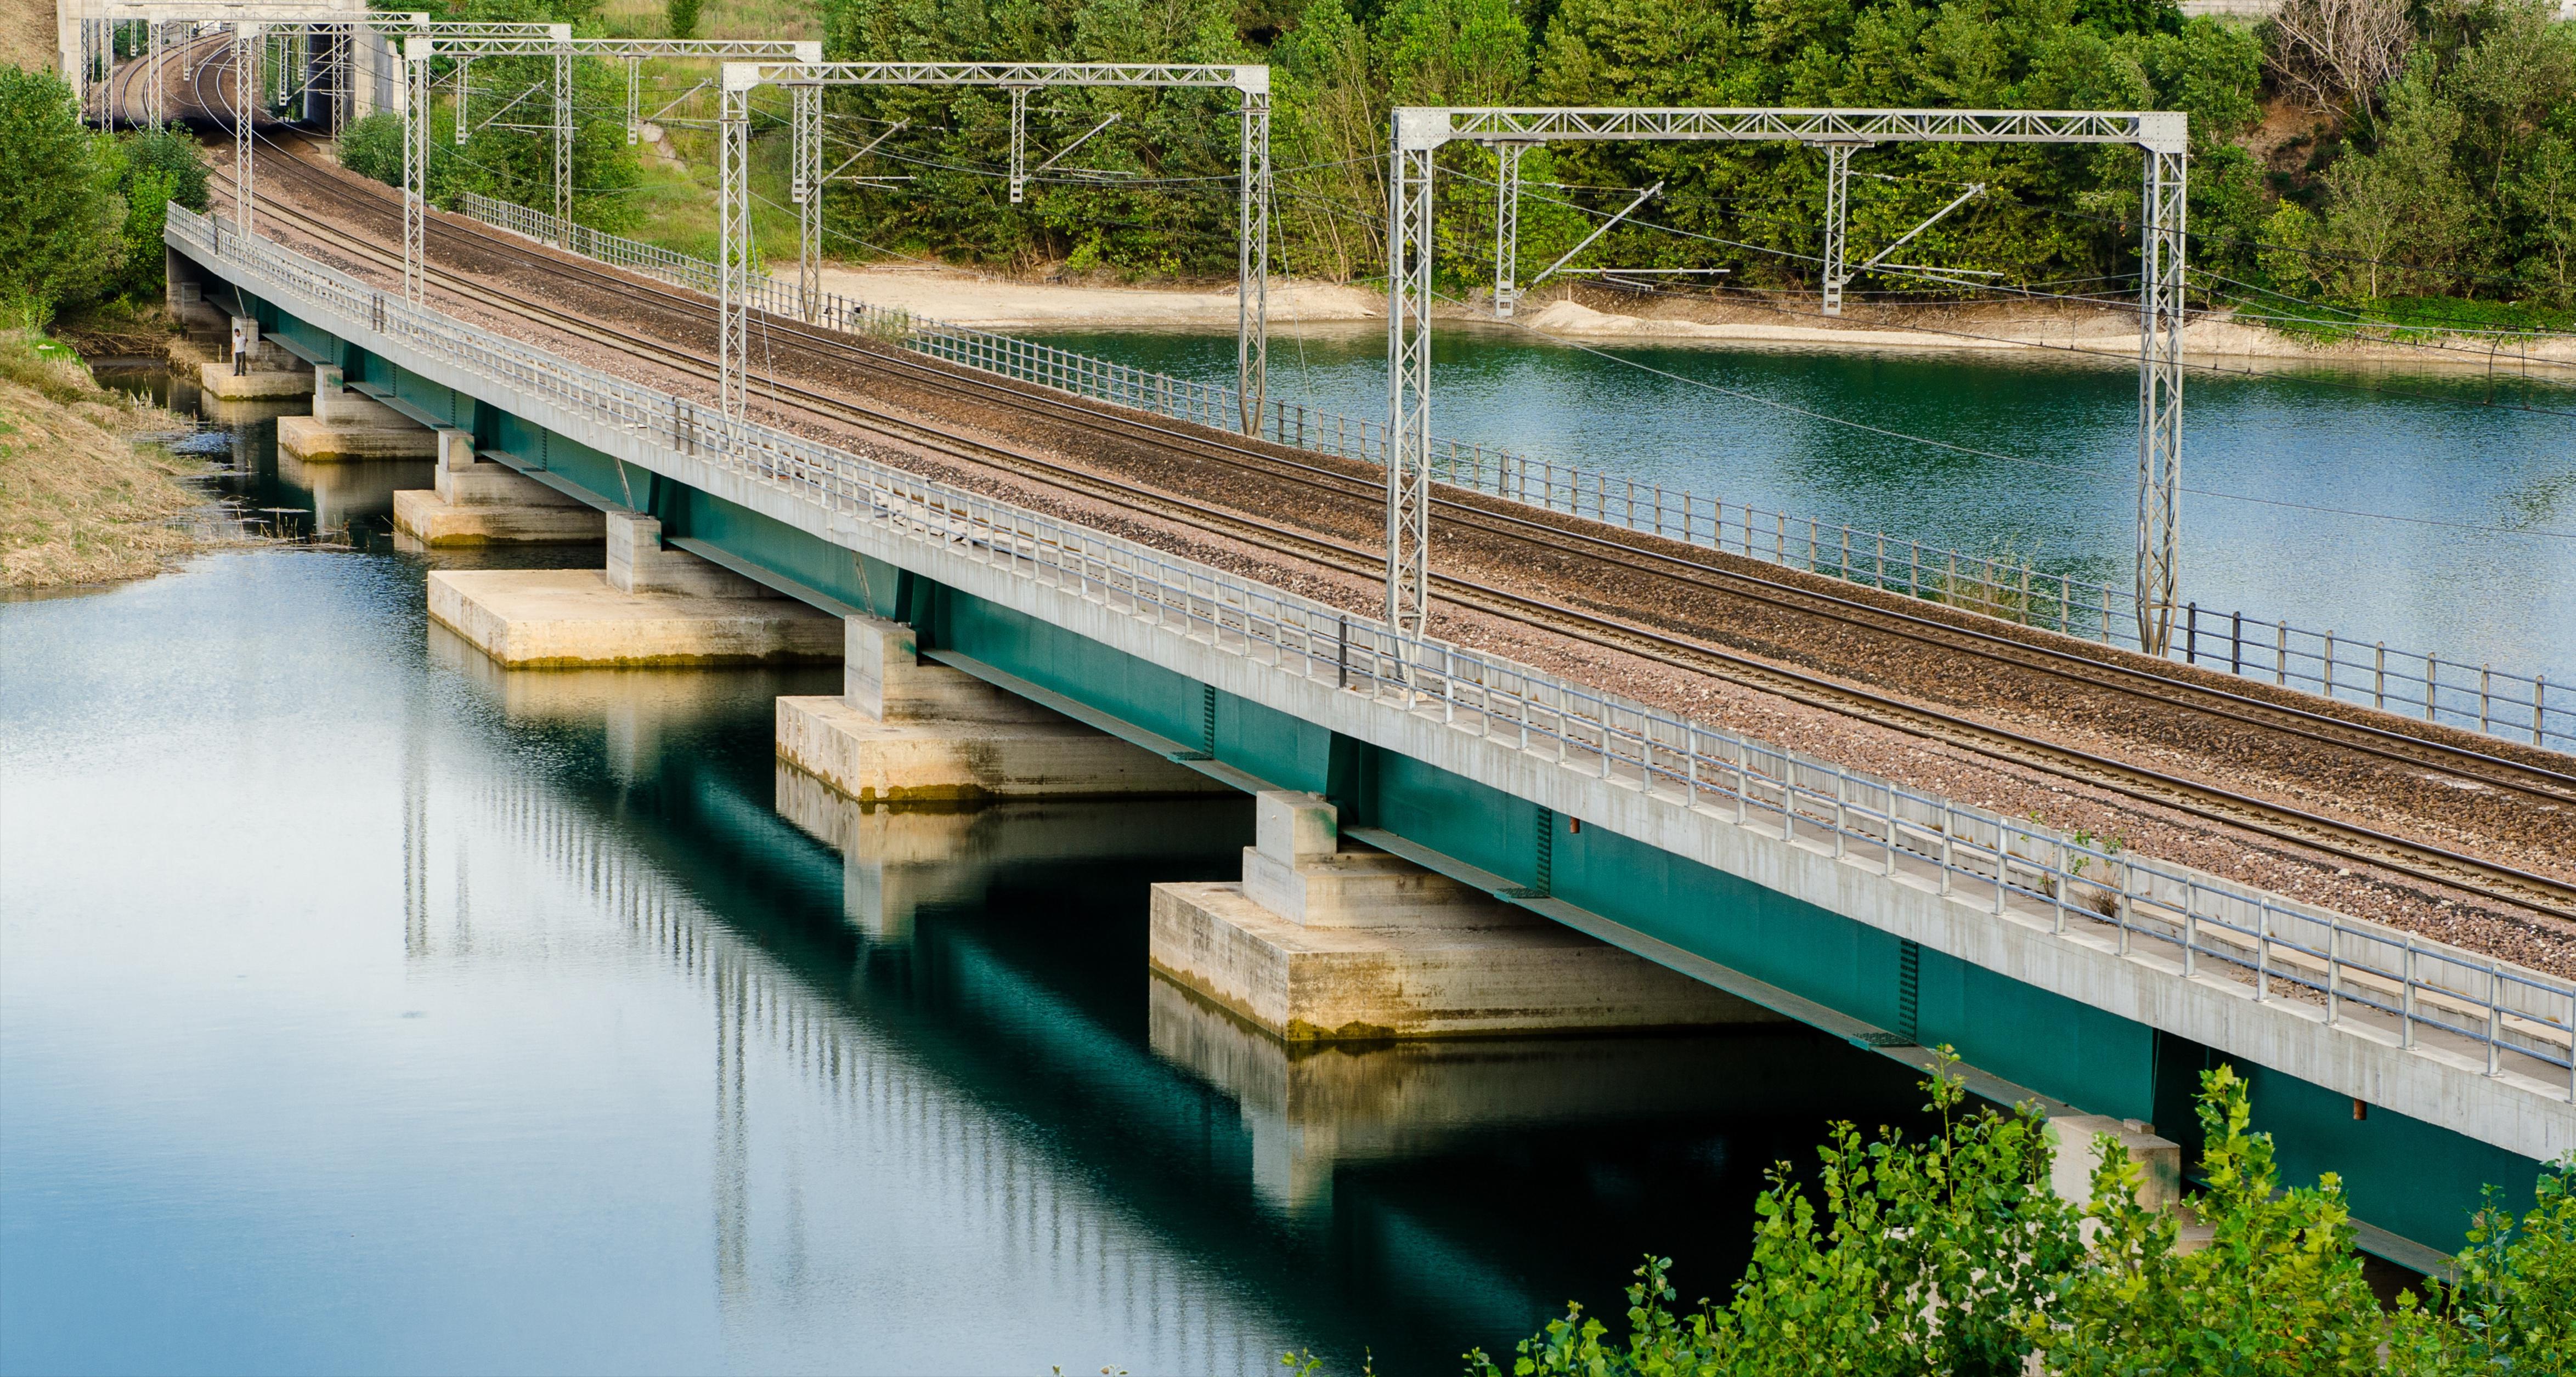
(366, 1008)
(2443, 448)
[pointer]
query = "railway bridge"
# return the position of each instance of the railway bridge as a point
(1587, 752)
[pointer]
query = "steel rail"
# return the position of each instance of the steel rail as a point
(2541, 894)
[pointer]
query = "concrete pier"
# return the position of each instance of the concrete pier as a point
(475, 501)
(649, 607)
(346, 425)
(904, 730)
(1321, 943)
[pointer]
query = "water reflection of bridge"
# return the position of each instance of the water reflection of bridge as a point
(955, 1009)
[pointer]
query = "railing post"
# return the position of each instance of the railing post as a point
(2190, 929)
(2495, 1016)
(2262, 951)
(2406, 999)
(2334, 968)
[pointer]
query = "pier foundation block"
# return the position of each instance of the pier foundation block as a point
(605, 618)
(904, 730)
(266, 372)
(475, 501)
(1323, 943)
(347, 425)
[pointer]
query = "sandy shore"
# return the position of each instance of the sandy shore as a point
(992, 302)
(963, 298)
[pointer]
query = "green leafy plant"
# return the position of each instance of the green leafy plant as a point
(1953, 1256)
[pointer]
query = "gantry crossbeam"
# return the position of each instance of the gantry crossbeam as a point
(1429, 127)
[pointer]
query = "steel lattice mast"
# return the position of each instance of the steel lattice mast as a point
(1252, 267)
(1419, 132)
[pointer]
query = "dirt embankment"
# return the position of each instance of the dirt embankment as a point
(81, 500)
(27, 37)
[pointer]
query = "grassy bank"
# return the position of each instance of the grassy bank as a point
(80, 500)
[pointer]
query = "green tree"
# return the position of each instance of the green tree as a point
(2403, 212)
(683, 17)
(1951, 1257)
(2513, 1306)
(1925, 1258)
(1328, 136)
(60, 218)
(2277, 1288)
(2542, 193)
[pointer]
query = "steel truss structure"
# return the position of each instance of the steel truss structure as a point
(328, 67)
(253, 27)
(806, 81)
(421, 41)
(1420, 131)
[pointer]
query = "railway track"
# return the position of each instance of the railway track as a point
(2543, 896)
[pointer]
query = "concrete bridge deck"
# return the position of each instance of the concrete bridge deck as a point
(1893, 915)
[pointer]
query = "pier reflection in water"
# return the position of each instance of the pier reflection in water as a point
(678, 1060)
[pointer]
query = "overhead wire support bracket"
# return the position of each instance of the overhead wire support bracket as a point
(1418, 132)
(1974, 191)
(869, 147)
(1599, 230)
(1062, 153)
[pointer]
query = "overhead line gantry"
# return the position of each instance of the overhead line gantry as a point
(1420, 131)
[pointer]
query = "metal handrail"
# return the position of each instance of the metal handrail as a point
(2348, 973)
(2490, 700)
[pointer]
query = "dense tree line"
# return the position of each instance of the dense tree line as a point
(2432, 155)
(81, 211)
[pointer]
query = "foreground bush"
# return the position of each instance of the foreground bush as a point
(1952, 1256)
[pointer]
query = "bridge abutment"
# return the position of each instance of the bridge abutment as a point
(1326, 943)
(905, 730)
